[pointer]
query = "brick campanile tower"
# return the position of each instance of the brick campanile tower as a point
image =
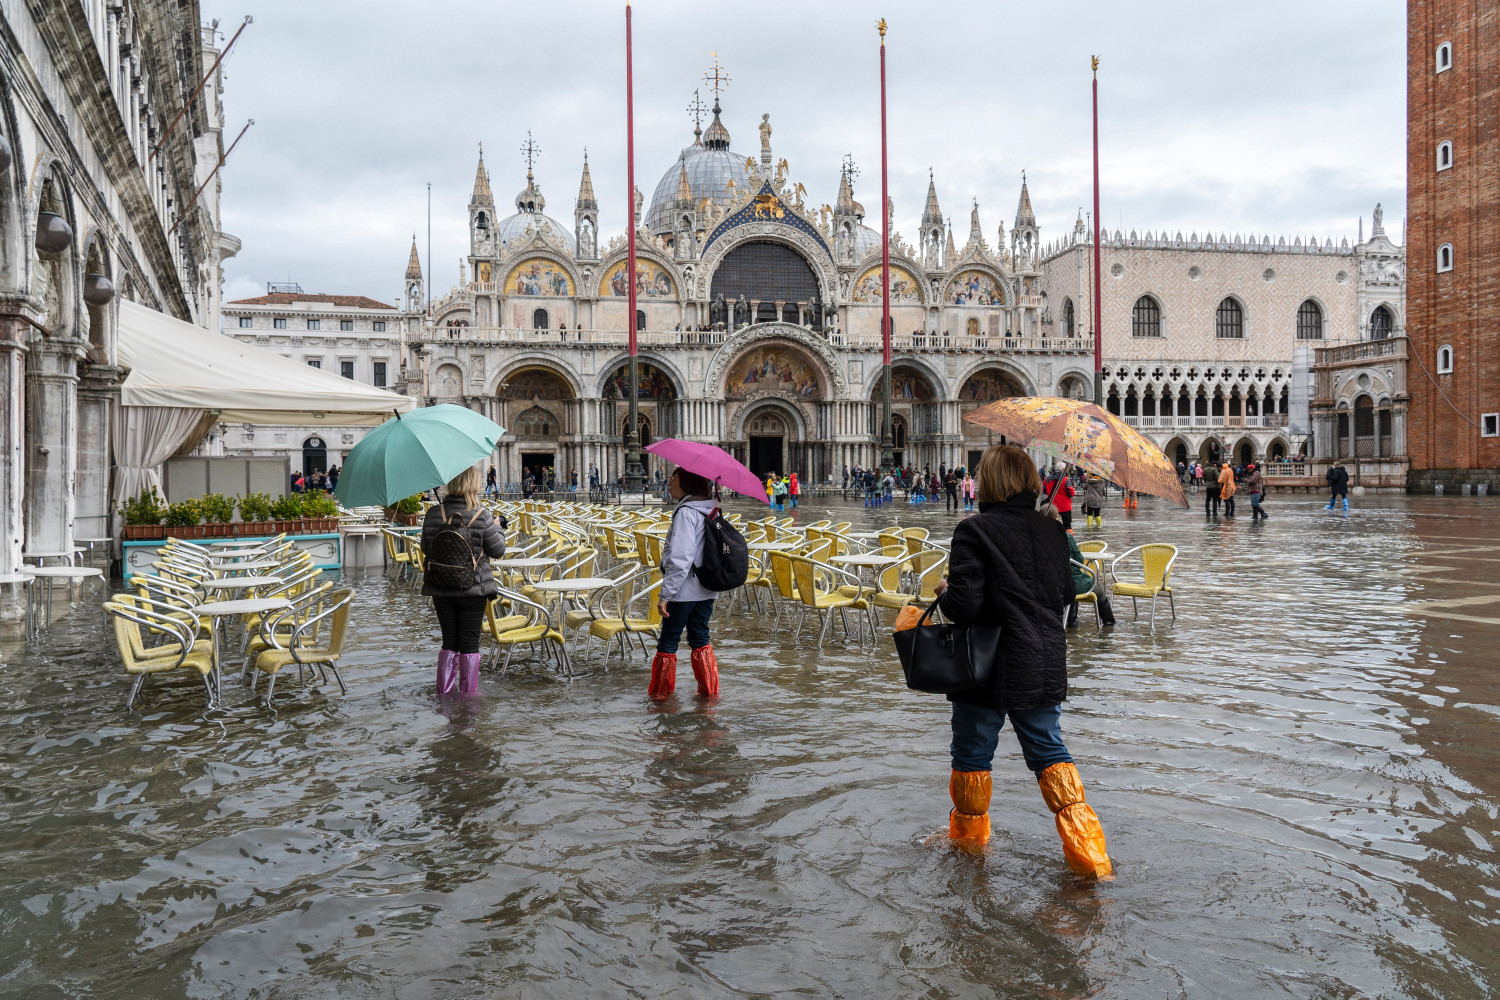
(1453, 242)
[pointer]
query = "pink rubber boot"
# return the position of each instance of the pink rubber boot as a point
(447, 672)
(468, 674)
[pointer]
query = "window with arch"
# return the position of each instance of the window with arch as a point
(1445, 360)
(640, 320)
(1069, 320)
(540, 320)
(1229, 321)
(535, 422)
(1444, 56)
(1145, 318)
(1380, 323)
(1445, 257)
(1444, 155)
(1309, 321)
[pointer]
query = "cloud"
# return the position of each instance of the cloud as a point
(1276, 117)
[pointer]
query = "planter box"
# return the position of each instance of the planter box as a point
(410, 520)
(142, 532)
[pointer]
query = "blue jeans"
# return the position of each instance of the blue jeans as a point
(690, 615)
(976, 732)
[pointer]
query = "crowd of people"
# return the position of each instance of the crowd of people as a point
(317, 479)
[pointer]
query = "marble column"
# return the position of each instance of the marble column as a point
(52, 442)
(98, 394)
(13, 353)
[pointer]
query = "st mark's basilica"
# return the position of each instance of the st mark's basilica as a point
(759, 319)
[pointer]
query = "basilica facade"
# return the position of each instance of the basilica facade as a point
(759, 320)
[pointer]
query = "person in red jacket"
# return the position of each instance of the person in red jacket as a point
(1060, 495)
(794, 490)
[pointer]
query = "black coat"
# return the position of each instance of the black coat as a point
(1009, 567)
(1338, 480)
(485, 539)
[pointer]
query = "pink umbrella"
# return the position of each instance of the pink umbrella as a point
(712, 463)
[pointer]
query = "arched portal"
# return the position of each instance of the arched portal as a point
(916, 421)
(535, 411)
(314, 456)
(767, 432)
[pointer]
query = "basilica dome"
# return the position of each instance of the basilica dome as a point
(529, 205)
(710, 166)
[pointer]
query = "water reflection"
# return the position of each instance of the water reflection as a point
(1297, 779)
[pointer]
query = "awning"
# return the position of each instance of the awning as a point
(174, 363)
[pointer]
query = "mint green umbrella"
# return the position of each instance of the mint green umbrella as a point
(415, 452)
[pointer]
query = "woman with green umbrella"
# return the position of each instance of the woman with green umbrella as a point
(459, 538)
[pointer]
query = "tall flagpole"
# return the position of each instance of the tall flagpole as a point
(887, 442)
(634, 474)
(1098, 304)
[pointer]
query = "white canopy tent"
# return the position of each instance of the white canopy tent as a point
(184, 378)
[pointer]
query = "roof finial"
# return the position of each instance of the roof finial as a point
(716, 79)
(529, 149)
(696, 108)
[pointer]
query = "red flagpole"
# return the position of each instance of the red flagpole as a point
(887, 442)
(634, 474)
(1098, 304)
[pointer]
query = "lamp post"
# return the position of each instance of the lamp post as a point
(1098, 305)
(887, 441)
(634, 474)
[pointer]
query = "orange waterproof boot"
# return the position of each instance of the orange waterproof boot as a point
(663, 676)
(969, 820)
(1082, 836)
(706, 669)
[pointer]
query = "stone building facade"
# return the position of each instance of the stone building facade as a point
(97, 201)
(1201, 335)
(350, 335)
(1453, 205)
(759, 316)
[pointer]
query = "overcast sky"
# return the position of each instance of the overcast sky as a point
(1280, 117)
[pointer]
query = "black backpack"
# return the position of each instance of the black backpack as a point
(451, 562)
(725, 560)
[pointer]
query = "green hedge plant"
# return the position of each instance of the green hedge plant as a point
(255, 507)
(184, 514)
(287, 507)
(217, 508)
(146, 508)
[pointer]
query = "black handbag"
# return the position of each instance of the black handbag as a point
(947, 658)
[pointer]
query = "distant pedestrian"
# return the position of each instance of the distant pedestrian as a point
(491, 486)
(967, 486)
(794, 490)
(1338, 484)
(1226, 488)
(1210, 478)
(950, 490)
(1060, 494)
(1255, 485)
(1093, 501)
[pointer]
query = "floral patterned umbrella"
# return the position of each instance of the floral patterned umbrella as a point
(1096, 441)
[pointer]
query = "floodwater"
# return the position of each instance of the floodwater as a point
(1298, 778)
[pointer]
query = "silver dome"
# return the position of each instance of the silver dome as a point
(514, 227)
(709, 172)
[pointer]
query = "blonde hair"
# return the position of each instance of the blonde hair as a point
(467, 485)
(1050, 510)
(1005, 470)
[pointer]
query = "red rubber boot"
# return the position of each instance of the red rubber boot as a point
(706, 669)
(663, 676)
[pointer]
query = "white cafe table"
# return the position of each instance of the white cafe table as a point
(241, 582)
(868, 559)
(219, 610)
(26, 579)
(578, 584)
(771, 546)
(48, 574)
(242, 567)
(523, 563)
(236, 543)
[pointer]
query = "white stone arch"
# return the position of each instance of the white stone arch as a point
(535, 359)
(1009, 367)
(458, 310)
(102, 331)
(1087, 377)
(940, 388)
(537, 248)
(785, 407)
(1398, 315)
(50, 171)
(642, 252)
(679, 383)
(1002, 280)
(808, 248)
(442, 370)
(911, 267)
(750, 336)
(15, 270)
(1350, 388)
(1161, 311)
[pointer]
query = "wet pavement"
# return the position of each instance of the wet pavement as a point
(1299, 780)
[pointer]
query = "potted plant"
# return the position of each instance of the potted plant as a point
(218, 512)
(183, 520)
(286, 512)
(143, 514)
(323, 510)
(408, 509)
(255, 511)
